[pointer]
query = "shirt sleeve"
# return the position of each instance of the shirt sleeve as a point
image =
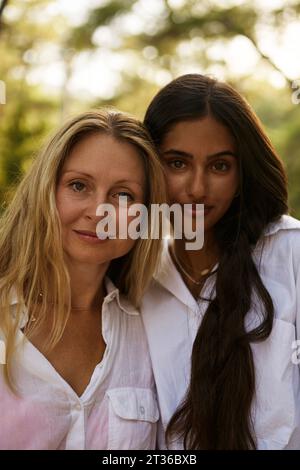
(294, 441)
(296, 255)
(298, 315)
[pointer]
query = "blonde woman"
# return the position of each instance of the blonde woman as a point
(77, 372)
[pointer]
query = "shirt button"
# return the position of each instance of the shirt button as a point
(142, 410)
(78, 407)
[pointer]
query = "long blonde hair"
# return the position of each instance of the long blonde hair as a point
(31, 253)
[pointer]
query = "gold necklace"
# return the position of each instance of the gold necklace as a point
(204, 272)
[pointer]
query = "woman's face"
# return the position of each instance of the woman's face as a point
(201, 166)
(99, 169)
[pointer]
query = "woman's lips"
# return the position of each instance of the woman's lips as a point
(193, 211)
(89, 236)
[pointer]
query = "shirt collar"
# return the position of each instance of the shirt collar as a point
(286, 222)
(114, 293)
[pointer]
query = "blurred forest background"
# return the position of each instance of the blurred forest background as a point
(60, 57)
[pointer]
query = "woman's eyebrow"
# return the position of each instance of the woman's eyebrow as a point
(122, 181)
(222, 153)
(178, 153)
(181, 153)
(79, 172)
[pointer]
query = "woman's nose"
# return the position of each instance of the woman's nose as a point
(96, 206)
(196, 186)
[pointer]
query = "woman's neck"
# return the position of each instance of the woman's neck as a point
(197, 261)
(87, 287)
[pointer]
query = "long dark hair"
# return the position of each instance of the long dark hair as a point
(216, 412)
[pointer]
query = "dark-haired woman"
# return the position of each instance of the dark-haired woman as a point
(222, 322)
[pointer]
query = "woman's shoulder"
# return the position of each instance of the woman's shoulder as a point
(283, 233)
(280, 243)
(285, 225)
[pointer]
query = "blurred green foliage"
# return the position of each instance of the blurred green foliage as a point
(27, 29)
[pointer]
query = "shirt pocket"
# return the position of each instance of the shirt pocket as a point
(133, 416)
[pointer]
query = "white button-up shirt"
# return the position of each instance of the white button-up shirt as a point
(118, 409)
(172, 317)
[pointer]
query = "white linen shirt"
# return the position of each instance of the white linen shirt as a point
(172, 317)
(118, 409)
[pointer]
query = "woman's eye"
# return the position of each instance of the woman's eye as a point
(124, 195)
(177, 164)
(78, 186)
(221, 166)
